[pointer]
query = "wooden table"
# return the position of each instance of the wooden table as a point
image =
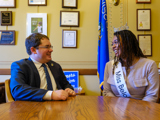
(81, 108)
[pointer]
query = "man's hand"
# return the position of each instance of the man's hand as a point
(70, 92)
(59, 95)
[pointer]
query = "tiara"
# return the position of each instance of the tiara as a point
(125, 27)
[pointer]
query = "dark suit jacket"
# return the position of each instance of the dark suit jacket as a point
(25, 80)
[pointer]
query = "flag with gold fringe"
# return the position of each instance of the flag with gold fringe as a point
(103, 50)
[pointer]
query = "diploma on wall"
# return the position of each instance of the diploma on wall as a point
(37, 2)
(69, 18)
(143, 19)
(69, 3)
(143, 1)
(69, 38)
(7, 3)
(145, 43)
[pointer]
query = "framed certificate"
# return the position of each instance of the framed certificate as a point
(143, 1)
(69, 3)
(7, 37)
(6, 18)
(69, 18)
(36, 23)
(69, 38)
(7, 3)
(145, 43)
(37, 2)
(143, 19)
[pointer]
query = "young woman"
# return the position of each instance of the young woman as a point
(130, 74)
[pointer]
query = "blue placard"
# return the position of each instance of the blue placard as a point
(73, 78)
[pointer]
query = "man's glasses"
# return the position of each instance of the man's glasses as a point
(47, 47)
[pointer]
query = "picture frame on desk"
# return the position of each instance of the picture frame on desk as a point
(36, 23)
(37, 2)
(69, 18)
(145, 43)
(143, 1)
(69, 4)
(143, 19)
(7, 37)
(6, 18)
(69, 38)
(7, 3)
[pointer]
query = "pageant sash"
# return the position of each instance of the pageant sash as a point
(120, 82)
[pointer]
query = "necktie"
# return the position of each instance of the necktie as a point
(49, 83)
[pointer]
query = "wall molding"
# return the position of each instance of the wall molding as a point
(81, 71)
(64, 64)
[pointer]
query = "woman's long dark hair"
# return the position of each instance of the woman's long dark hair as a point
(129, 48)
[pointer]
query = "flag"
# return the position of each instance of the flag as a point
(103, 51)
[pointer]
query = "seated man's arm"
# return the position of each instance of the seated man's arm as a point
(20, 84)
(65, 84)
(56, 95)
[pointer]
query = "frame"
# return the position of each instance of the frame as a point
(7, 37)
(69, 38)
(7, 3)
(36, 23)
(69, 4)
(69, 18)
(145, 43)
(6, 18)
(143, 1)
(143, 19)
(37, 2)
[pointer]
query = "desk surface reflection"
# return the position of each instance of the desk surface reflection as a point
(82, 108)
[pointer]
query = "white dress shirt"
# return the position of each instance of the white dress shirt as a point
(43, 82)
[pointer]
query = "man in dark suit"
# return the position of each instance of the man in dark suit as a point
(29, 79)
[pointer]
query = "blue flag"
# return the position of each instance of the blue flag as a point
(103, 51)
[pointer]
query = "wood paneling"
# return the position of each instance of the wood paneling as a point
(81, 71)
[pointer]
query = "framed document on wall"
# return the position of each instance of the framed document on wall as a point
(69, 38)
(143, 1)
(145, 43)
(69, 3)
(69, 18)
(7, 37)
(143, 19)
(36, 23)
(7, 3)
(6, 18)
(37, 2)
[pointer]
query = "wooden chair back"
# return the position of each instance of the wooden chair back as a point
(8, 94)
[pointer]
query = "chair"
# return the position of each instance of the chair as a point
(159, 91)
(8, 94)
(2, 93)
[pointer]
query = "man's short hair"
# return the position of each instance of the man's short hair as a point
(34, 40)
